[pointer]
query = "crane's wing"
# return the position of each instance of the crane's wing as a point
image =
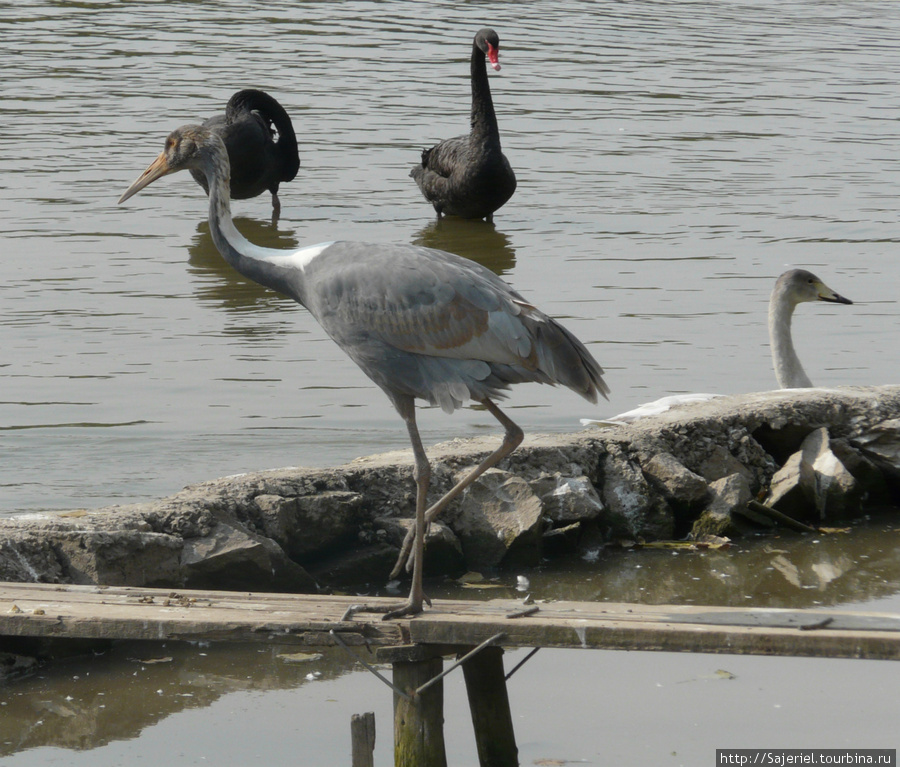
(439, 326)
(420, 301)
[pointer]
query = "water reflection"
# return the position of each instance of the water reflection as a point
(477, 240)
(92, 700)
(791, 570)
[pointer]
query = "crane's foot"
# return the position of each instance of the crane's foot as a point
(410, 607)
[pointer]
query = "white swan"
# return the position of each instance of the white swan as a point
(792, 288)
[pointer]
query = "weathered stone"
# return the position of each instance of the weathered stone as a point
(674, 480)
(233, 558)
(567, 499)
(730, 496)
(833, 489)
(310, 527)
(881, 443)
(813, 484)
(874, 487)
(721, 463)
(786, 492)
(499, 520)
(367, 564)
(27, 558)
(443, 550)
(632, 508)
(724, 436)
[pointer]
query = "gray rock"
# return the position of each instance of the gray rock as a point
(730, 496)
(312, 524)
(674, 479)
(443, 550)
(499, 521)
(833, 489)
(881, 443)
(230, 557)
(814, 484)
(266, 529)
(633, 509)
(786, 493)
(567, 499)
(720, 463)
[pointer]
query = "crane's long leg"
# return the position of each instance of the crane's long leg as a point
(511, 440)
(422, 474)
(423, 479)
(415, 539)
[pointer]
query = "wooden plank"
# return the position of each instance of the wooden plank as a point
(119, 612)
(675, 628)
(92, 612)
(362, 739)
(495, 737)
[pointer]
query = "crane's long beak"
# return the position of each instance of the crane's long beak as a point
(159, 167)
(827, 294)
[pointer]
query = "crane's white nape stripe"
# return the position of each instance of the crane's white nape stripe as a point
(299, 259)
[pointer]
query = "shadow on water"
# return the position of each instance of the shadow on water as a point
(477, 240)
(218, 282)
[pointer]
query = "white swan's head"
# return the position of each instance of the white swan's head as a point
(798, 285)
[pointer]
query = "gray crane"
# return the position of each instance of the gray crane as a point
(421, 323)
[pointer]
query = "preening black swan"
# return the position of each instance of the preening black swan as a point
(258, 161)
(469, 176)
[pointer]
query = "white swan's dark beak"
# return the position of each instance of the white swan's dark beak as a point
(158, 168)
(827, 294)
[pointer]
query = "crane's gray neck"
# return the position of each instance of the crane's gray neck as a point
(254, 262)
(484, 120)
(788, 370)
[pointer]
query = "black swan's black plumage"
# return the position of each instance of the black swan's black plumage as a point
(259, 162)
(469, 176)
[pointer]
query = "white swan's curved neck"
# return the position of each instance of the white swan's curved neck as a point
(788, 370)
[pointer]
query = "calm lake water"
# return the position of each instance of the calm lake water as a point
(673, 158)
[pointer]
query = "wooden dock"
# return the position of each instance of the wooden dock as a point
(119, 612)
(416, 647)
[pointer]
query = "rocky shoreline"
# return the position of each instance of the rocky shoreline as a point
(701, 471)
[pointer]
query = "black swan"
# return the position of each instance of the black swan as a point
(258, 161)
(469, 176)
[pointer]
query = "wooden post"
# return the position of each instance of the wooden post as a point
(362, 735)
(419, 722)
(489, 705)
